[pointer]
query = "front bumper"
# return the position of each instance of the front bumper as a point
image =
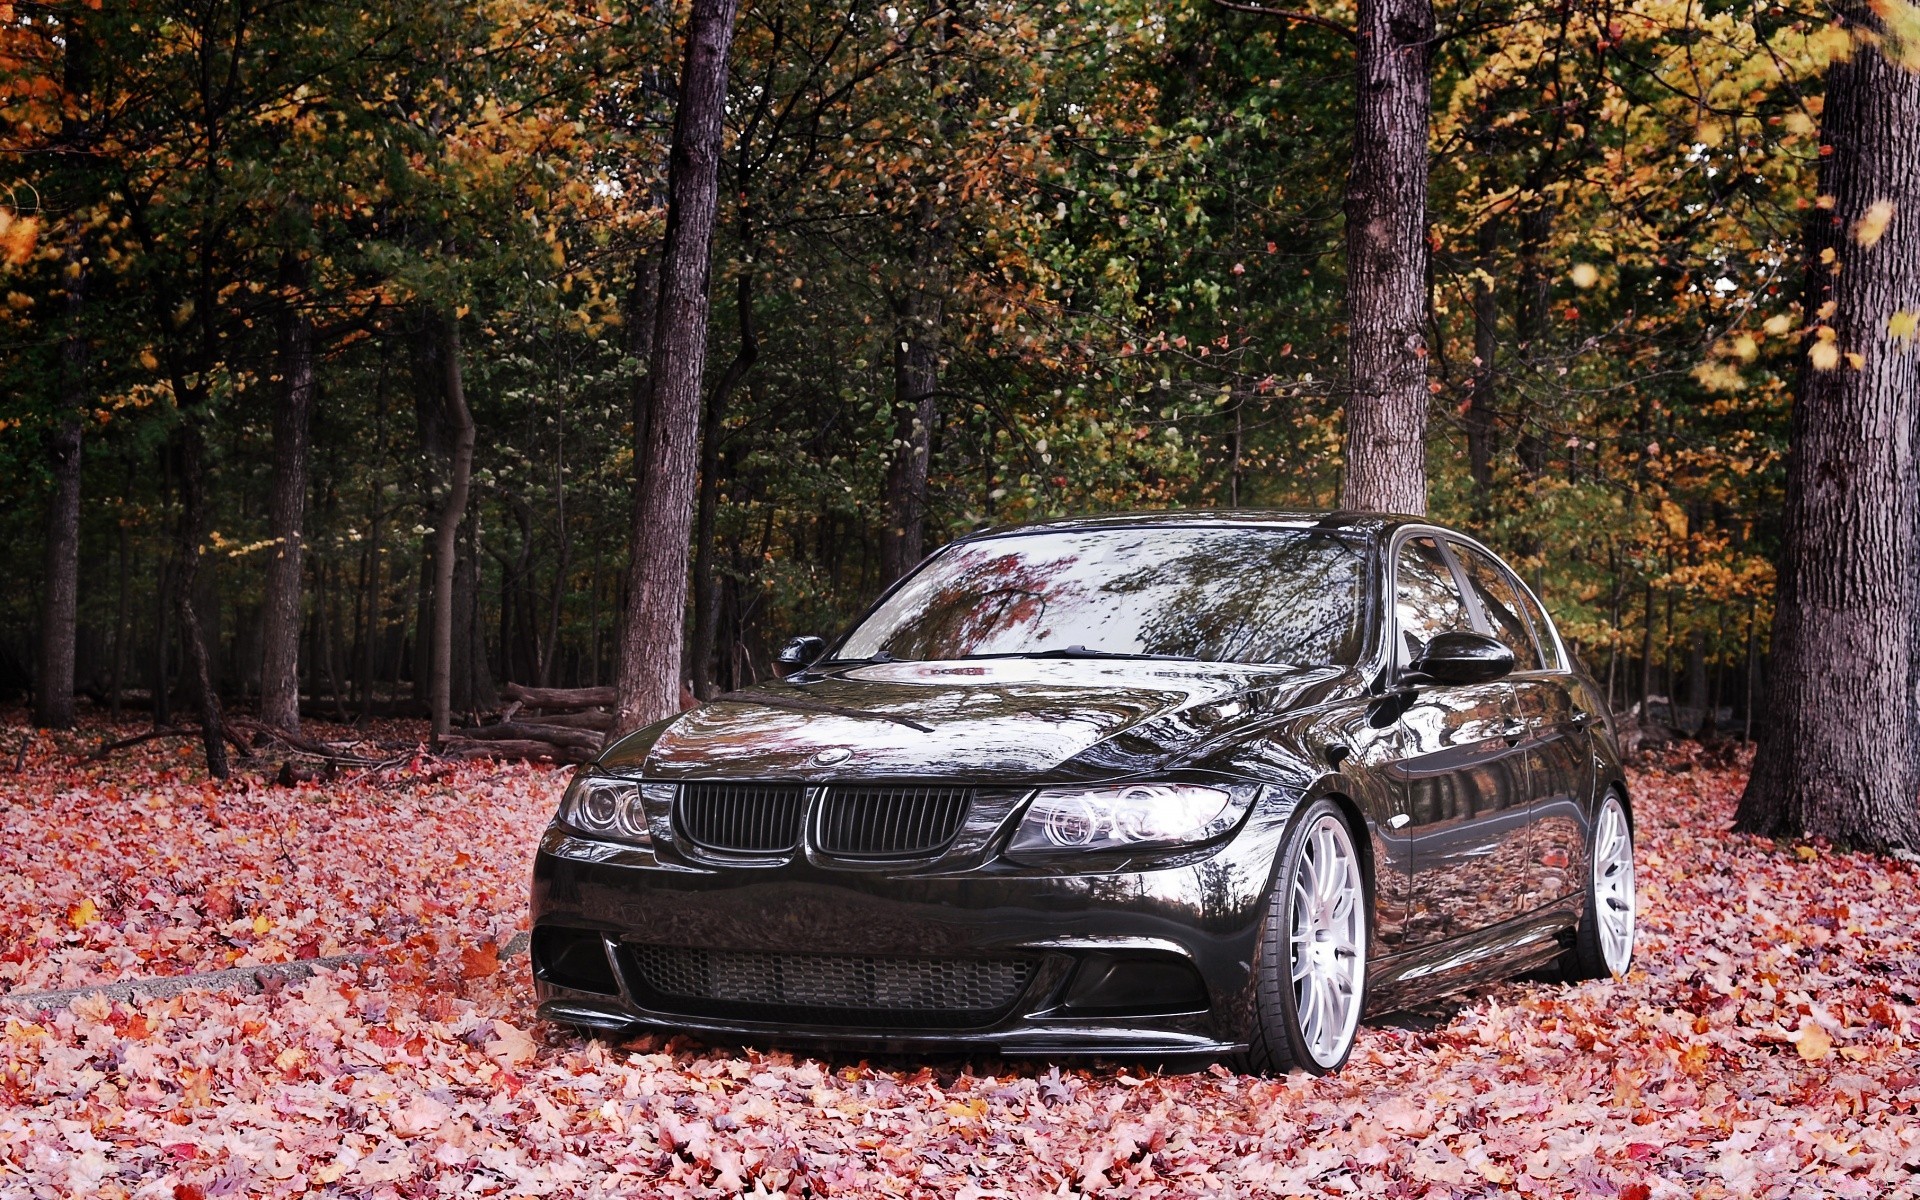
(1197, 918)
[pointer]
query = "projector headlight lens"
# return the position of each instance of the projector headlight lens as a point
(1134, 816)
(605, 806)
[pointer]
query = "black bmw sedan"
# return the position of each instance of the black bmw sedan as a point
(1210, 783)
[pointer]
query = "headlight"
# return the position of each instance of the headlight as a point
(1134, 816)
(604, 806)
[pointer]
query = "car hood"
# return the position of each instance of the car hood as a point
(998, 719)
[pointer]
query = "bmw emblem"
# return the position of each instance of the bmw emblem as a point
(832, 756)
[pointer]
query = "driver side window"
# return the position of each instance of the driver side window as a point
(1427, 600)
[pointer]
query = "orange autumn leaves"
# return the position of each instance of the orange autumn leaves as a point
(1763, 1045)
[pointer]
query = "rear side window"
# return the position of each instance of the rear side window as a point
(1549, 648)
(1500, 601)
(1427, 602)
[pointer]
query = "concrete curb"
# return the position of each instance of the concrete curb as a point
(245, 979)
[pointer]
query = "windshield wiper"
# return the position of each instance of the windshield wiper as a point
(877, 657)
(808, 704)
(1088, 652)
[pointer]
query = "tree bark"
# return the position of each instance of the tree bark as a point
(53, 698)
(1386, 210)
(122, 621)
(287, 508)
(652, 631)
(1481, 400)
(1531, 323)
(1835, 756)
(918, 318)
(706, 583)
(453, 509)
(191, 447)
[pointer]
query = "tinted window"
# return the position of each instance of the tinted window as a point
(1499, 600)
(1426, 600)
(1224, 595)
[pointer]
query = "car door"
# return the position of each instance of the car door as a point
(1577, 707)
(1461, 772)
(1556, 739)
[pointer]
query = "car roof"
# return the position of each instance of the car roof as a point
(1369, 524)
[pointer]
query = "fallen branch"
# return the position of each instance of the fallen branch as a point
(299, 744)
(248, 979)
(142, 738)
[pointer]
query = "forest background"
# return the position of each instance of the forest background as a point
(379, 286)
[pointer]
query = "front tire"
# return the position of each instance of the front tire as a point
(1311, 981)
(1603, 943)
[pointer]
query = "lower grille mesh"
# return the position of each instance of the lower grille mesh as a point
(828, 988)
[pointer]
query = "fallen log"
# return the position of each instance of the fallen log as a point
(560, 698)
(528, 731)
(531, 750)
(600, 721)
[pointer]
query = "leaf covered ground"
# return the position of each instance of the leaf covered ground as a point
(1767, 1043)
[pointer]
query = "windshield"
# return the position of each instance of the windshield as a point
(1222, 595)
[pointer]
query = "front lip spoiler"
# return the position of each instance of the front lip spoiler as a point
(1062, 1039)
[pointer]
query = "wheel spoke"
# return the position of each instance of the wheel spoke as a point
(1327, 939)
(1613, 885)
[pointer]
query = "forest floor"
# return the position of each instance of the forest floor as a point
(1767, 1042)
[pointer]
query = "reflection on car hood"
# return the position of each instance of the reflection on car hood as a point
(988, 719)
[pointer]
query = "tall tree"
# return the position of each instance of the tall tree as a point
(53, 698)
(292, 420)
(1386, 209)
(1386, 241)
(1835, 754)
(653, 632)
(446, 529)
(919, 313)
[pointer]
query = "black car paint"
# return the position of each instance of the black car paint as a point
(1445, 915)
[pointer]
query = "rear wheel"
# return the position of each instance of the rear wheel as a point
(1603, 944)
(1311, 981)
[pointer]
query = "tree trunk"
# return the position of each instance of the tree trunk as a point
(1835, 756)
(549, 648)
(122, 621)
(652, 631)
(53, 698)
(286, 521)
(186, 579)
(1480, 418)
(472, 689)
(1386, 209)
(1530, 325)
(918, 317)
(453, 509)
(706, 583)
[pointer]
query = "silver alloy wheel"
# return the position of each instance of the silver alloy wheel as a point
(1613, 885)
(1329, 940)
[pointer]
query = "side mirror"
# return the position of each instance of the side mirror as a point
(1461, 658)
(799, 653)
